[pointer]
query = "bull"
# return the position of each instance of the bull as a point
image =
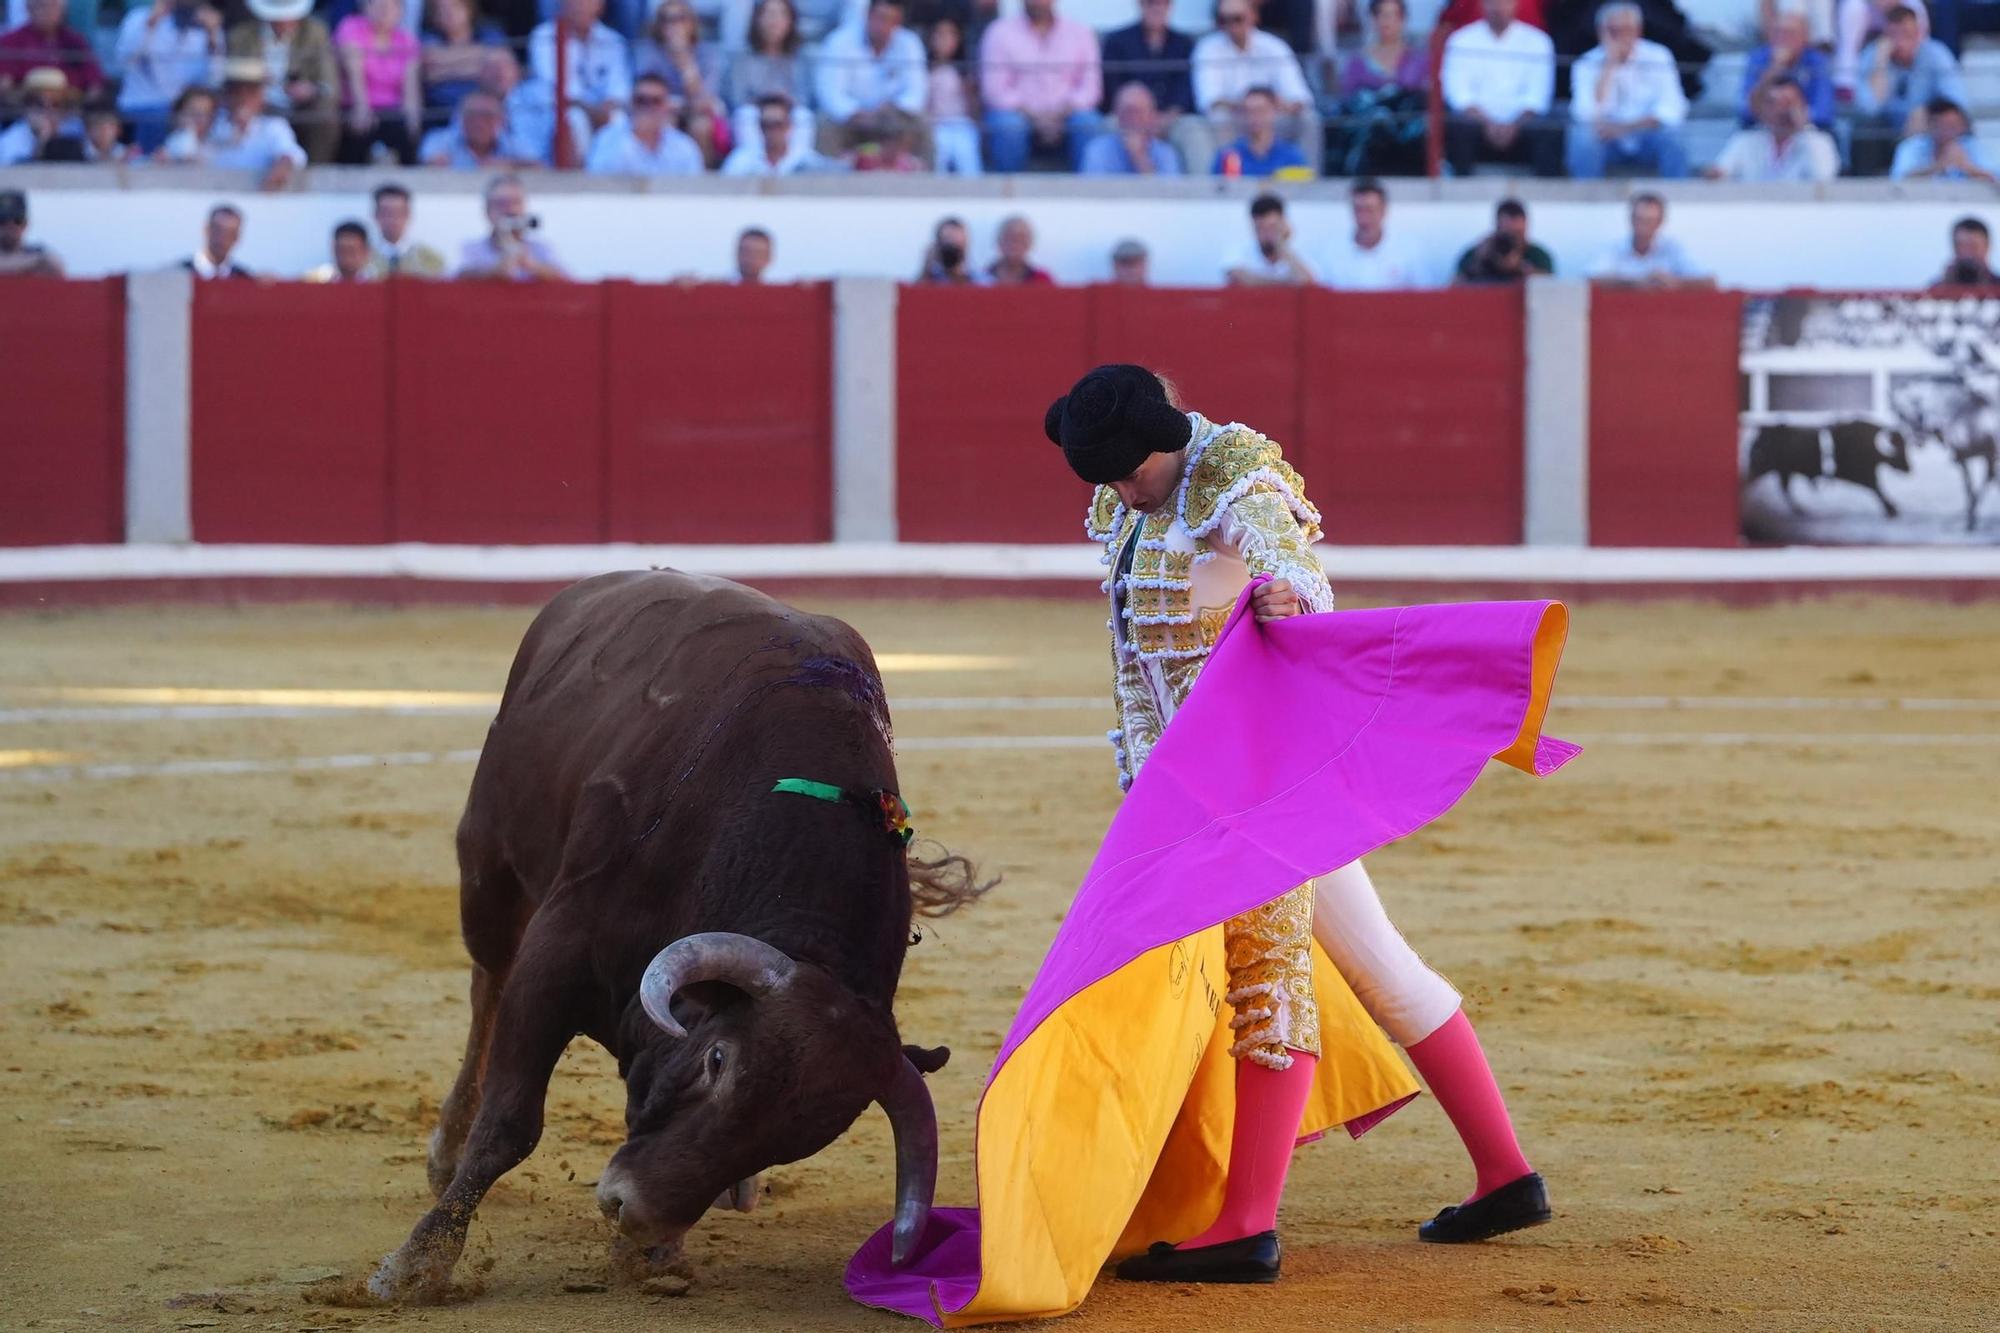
(683, 842)
(1854, 452)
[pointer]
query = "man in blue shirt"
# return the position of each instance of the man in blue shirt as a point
(1260, 152)
(1133, 147)
(1156, 55)
(1900, 74)
(1945, 150)
(1788, 53)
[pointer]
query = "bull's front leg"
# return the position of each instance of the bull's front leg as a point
(1785, 485)
(535, 1021)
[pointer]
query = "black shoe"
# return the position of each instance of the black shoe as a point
(1252, 1259)
(1517, 1204)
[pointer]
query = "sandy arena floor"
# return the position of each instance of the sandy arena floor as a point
(1737, 967)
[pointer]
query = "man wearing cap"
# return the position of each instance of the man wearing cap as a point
(301, 75)
(48, 130)
(163, 48)
(1188, 513)
(1130, 264)
(246, 137)
(18, 259)
(46, 39)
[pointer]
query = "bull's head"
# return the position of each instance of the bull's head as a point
(774, 1061)
(1898, 455)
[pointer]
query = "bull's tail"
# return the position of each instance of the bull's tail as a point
(942, 884)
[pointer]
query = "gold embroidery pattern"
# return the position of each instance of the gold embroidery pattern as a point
(1271, 541)
(1269, 953)
(1226, 466)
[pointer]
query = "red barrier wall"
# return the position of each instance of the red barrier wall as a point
(62, 378)
(1403, 410)
(289, 413)
(489, 414)
(1663, 417)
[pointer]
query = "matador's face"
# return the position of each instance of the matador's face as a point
(1150, 486)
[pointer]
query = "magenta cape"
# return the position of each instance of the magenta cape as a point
(1306, 744)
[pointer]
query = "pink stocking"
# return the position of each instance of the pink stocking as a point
(1269, 1105)
(1455, 1068)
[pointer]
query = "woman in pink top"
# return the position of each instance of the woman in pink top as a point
(380, 63)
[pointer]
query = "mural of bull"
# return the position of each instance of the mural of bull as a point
(683, 840)
(1851, 451)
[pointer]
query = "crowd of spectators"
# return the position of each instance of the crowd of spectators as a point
(779, 87)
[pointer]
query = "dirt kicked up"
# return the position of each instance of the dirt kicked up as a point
(1738, 969)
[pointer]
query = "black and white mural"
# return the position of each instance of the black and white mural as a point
(1870, 420)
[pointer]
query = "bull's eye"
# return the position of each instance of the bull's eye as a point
(715, 1062)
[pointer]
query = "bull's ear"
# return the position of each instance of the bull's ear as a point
(927, 1061)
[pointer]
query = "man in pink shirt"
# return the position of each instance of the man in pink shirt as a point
(1042, 83)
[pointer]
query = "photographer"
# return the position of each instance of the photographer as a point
(1971, 244)
(945, 262)
(510, 253)
(1505, 254)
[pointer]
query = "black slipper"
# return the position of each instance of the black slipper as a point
(1517, 1204)
(1252, 1259)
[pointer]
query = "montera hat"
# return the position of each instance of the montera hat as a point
(1115, 418)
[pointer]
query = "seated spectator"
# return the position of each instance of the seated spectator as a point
(1130, 264)
(1040, 81)
(1365, 259)
(457, 44)
(352, 259)
(951, 104)
(948, 260)
(1237, 57)
(18, 258)
(1384, 90)
(1971, 246)
(777, 149)
(1856, 21)
(1498, 78)
(380, 62)
(1506, 254)
(692, 69)
(1259, 152)
(1945, 149)
(246, 137)
(478, 138)
(47, 40)
(103, 134)
(1152, 53)
(1786, 54)
(869, 76)
(1626, 104)
(194, 117)
(398, 256)
(1013, 268)
(303, 83)
(645, 143)
(48, 130)
(1787, 147)
(509, 252)
(1269, 259)
(163, 49)
(1648, 259)
(598, 69)
(1572, 26)
(1133, 145)
(217, 256)
(1900, 75)
(753, 256)
(771, 63)
(892, 149)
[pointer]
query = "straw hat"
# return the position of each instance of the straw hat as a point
(244, 69)
(274, 11)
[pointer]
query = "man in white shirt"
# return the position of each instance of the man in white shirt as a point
(1237, 57)
(1269, 259)
(1648, 259)
(872, 74)
(1786, 146)
(1366, 260)
(1499, 78)
(1626, 105)
(776, 150)
(597, 80)
(245, 138)
(645, 143)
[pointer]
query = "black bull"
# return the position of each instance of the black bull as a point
(627, 873)
(1854, 455)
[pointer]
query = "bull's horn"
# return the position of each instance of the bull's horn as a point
(914, 1118)
(748, 964)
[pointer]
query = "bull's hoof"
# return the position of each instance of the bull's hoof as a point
(636, 1263)
(406, 1279)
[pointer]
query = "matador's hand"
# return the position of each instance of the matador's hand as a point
(1275, 600)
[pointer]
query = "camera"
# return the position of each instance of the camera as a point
(519, 225)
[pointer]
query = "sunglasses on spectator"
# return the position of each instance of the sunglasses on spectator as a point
(1232, 19)
(648, 99)
(775, 123)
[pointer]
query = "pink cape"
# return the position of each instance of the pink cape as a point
(1307, 743)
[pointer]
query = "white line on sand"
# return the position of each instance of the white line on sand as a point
(931, 744)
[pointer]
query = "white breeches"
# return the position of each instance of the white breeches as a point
(1397, 988)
